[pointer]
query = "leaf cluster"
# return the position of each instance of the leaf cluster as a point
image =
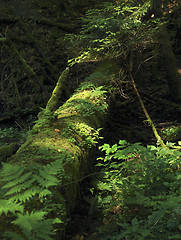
(110, 31)
(140, 191)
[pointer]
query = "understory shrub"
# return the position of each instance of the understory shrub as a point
(139, 192)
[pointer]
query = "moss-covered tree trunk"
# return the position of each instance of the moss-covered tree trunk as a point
(41, 181)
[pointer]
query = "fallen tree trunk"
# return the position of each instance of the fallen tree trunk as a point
(40, 183)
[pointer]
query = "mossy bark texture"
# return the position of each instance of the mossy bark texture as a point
(70, 133)
(57, 92)
(7, 150)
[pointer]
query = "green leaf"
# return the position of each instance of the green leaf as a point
(123, 143)
(134, 221)
(57, 220)
(107, 199)
(114, 148)
(156, 216)
(97, 92)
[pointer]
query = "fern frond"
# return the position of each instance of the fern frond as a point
(44, 192)
(46, 183)
(12, 235)
(25, 221)
(7, 206)
(47, 176)
(44, 229)
(20, 187)
(97, 92)
(53, 168)
(9, 168)
(26, 195)
(17, 181)
(10, 172)
(34, 226)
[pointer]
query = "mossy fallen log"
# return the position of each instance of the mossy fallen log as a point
(40, 183)
(7, 150)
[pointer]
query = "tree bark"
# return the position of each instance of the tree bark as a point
(173, 77)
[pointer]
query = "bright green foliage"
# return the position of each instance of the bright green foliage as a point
(140, 191)
(27, 200)
(110, 31)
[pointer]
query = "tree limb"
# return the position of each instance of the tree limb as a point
(57, 92)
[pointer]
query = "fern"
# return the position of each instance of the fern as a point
(12, 235)
(27, 220)
(7, 206)
(54, 168)
(34, 226)
(26, 195)
(44, 182)
(11, 172)
(30, 187)
(97, 92)
(20, 187)
(16, 181)
(48, 177)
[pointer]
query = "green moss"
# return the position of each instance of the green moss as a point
(71, 184)
(89, 104)
(7, 150)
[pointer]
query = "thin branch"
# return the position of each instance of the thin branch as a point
(159, 140)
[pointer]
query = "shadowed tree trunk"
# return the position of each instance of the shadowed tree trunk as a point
(173, 78)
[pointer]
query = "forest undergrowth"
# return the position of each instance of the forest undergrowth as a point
(135, 194)
(139, 191)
